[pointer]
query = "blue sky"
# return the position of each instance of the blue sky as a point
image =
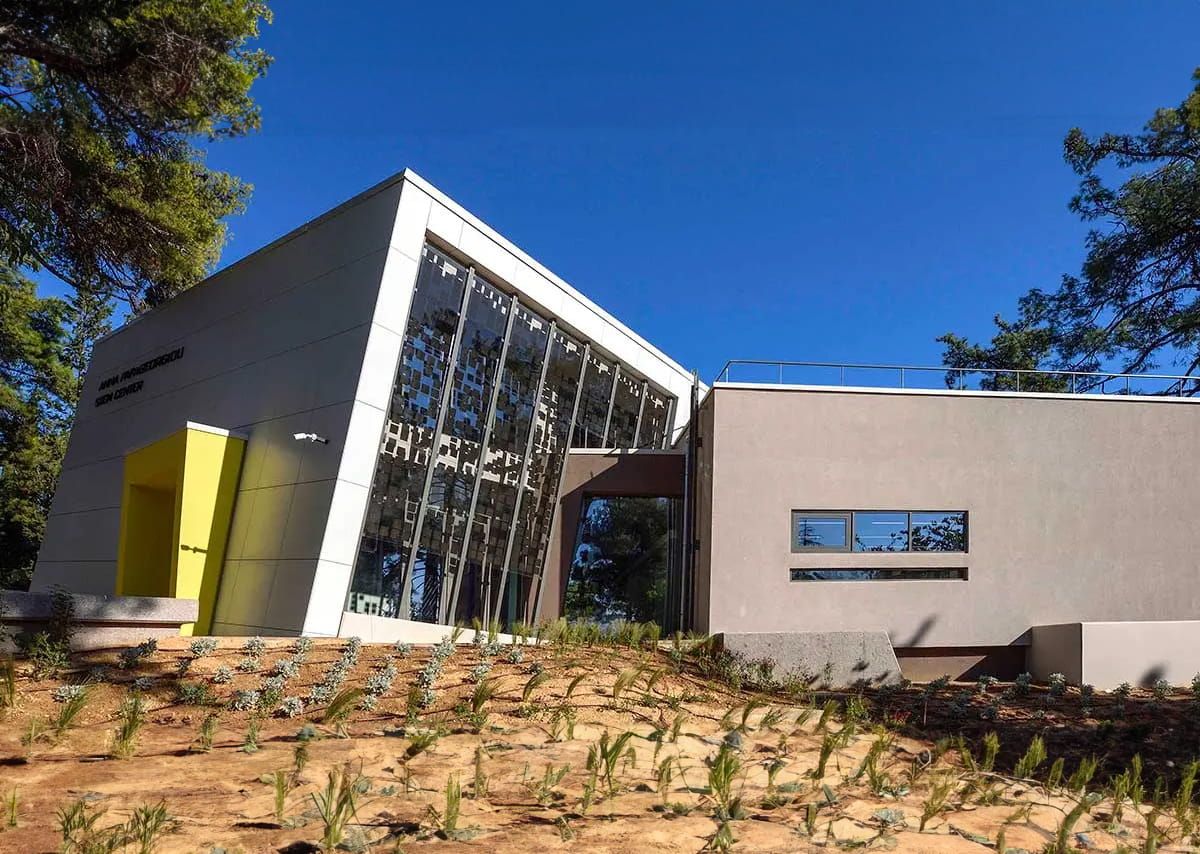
(836, 182)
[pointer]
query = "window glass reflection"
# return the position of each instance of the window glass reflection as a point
(880, 532)
(939, 532)
(824, 532)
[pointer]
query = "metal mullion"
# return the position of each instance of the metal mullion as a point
(483, 450)
(612, 397)
(669, 424)
(537, 400)
(562, 473)
(637, 428)
(451, 369)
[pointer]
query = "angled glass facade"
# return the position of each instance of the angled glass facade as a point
(488, 397)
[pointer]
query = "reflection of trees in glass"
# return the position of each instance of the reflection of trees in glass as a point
(932, 533)
(897, 542)
(808, 535)
(620, 567)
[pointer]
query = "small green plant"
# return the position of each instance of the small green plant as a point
(1184, 816)
(573, 684)
(447, 820)
(340, 707)
(253, 728)
(664, 775)
(77, 824)
(1055, 775)
(147, 825)
(827, 714)
(49, 650)
(722, 840)
(419, 741)
(1062, 837)
(608, 755)
(208, 731)
(201, 647)
(479, 788)
(74, 703)
(8, 684)
(625, 679)
(281, 781)
(11, 808)
(537, 679)
(484, 691)
(991, 747)
(877, 780)
(1079, 780)
(300, 757)
(543, 789)
(336, 804)
(1034, 756)
(828, 744)
(935, 803)
(130, 719)
(37, 730)
(723, 769)
(194, 694)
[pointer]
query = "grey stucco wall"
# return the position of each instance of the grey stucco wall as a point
(1080, 508)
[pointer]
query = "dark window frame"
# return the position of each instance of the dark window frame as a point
(843, 515)
(850, 518)
(899, 573)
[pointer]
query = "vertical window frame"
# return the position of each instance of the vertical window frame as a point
(846, 516)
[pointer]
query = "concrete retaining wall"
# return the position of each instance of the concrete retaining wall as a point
(100, 621)
(833, 659)
(1105, 654)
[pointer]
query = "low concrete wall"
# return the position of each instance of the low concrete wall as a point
(962, 663)
(1058, 649)
(374, 629)
(834, 659)
(100, 621)
(1105, 654)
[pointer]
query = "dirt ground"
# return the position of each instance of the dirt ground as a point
(516, 795)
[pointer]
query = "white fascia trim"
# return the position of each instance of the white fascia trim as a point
(938, 392)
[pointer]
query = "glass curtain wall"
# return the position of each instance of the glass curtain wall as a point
(408, 437)
(460, 444)
(488, 397)
(594, 401)
(626, 408)
(656, 416)
(556, 411)
(496, 505)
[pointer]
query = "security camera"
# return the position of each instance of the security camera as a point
(311, 437)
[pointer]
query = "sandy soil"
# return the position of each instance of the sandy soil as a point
(223, 799)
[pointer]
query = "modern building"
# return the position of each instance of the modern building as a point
(393, 417)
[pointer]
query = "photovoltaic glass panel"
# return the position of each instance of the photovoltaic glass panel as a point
(408, 437)
(653, 433)
(459, 449)
(622, 427)
(495, 506)
(593, 404)
(551, 430)
(462, 464)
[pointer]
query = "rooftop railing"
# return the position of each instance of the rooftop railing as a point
(974, 379)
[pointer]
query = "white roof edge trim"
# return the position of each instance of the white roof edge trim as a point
(947, 392)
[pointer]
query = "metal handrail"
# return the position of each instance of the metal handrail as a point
(1080, 382)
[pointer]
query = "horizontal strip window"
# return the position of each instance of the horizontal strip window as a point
(879, 531)
(958, 573)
